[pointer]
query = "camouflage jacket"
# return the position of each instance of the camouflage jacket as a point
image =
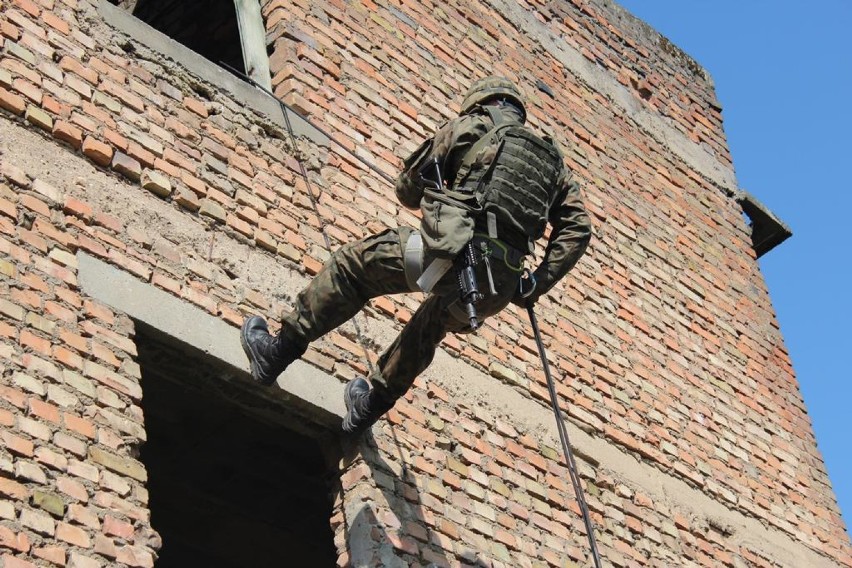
(570, 226)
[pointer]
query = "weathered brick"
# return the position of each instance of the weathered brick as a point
(39, 522)
(38, 117)
(187, 199)
(213, 210)
(127, 166)
(79, 560)
(12, 102)
(156, 183)
(97, 151)
(49, 502)
(14, 174)
(123, 465)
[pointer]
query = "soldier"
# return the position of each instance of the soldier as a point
(484, 179)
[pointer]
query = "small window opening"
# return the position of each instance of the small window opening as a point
(207, 27)
(231, 482)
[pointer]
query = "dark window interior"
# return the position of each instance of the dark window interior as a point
(230, 484)
(207, 27)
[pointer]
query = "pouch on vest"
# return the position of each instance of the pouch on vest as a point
(445, 227)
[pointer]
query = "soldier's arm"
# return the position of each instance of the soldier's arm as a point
(570, 233)
(449, 145)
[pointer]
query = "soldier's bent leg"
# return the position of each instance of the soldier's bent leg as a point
(355, 273)
(414, 348)
(408, 356)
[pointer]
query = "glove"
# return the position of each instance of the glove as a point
(526, 294)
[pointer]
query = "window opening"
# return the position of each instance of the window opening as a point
(232, 480)
(208, 27)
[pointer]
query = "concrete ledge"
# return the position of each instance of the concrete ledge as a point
(302, 385)
(124, 22)
(767, 230)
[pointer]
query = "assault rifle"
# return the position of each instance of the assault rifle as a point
(464, 265)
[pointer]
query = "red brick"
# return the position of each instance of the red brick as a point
(15, 541)
(6, 418)
(44, 410)
(114, 139)
(92, 246)
(53, 554)
(72, 488)
(55, 22)
(28, 90)
(13, 489)
(79, 425)
(36, 205)
(77, 208)
(10, 31)
(117, 527)
(166, 283)
(26, 298)
(10, 561)
(8, 208)
(60, 312)
(97, 151)
(17, 445)
(83, 516)
(34, 342)
(143, 156)
(73, 535)
(196, 106)
(53, 108)
(68, 63)
(12, 102)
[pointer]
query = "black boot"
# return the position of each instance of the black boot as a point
(269, 355)
(364, 406)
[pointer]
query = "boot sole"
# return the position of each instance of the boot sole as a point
(255, 371)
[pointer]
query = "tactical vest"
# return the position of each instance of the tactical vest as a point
(517, 187)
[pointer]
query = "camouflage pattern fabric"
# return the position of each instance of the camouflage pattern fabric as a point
(374, 267)
(570, 226)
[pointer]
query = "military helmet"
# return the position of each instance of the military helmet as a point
(491, 88)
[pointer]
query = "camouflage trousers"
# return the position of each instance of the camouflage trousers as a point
(375, 266)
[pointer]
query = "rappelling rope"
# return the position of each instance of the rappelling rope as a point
(286, 110)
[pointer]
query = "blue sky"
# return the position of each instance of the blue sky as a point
(783, 74)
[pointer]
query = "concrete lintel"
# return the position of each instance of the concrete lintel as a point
(244, 93)
(312, 390)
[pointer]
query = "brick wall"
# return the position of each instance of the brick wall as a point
(696, 448)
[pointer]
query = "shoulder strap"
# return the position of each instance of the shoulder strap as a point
(500, 123)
